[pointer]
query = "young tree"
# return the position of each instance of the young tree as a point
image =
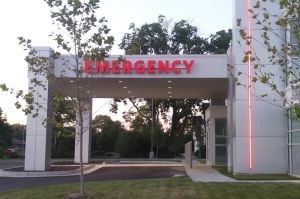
(83, 35)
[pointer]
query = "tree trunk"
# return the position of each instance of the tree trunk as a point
(174, 121)
(184, 124)
(81, 149)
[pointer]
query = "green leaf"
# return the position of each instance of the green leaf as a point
(3, 87)
(264, 95)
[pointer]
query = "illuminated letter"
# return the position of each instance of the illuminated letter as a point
(127, 66)
(188, 65)
(115, 68)
(175, 70)
(101, 68)
(87, 66)
(163, 66)
(151, 66)
(139, 66)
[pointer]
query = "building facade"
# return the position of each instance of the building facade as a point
(244, 132)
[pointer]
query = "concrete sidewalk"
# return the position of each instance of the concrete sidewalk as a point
(204, 173)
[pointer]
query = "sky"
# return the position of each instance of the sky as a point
(31, 20)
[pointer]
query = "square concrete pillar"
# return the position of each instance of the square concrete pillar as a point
(39, 129)
(268, 122)
(86, 138)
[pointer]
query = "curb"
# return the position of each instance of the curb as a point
(152, 162)
(87, 169)
(142, 165)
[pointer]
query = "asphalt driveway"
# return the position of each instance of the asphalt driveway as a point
(4, 164)
(106, 173)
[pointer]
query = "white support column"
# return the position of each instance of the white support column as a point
(39, 129)
(86, 138)
(265, 151)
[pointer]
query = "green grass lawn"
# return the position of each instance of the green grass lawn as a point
(224, 171)
(179, 187)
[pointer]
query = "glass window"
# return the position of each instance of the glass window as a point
(295, 124)
(295, 62)
(221, 140)
(295, 28)
(296, 137)
(221, 155)
(296, 134)
(295, 38)
(220, 126)
(296, 159)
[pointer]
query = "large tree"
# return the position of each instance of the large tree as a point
(63, 131)
(162, 38)
(184, 39)
(148, 39)
(105, 134)
(5, 133)
(220, 42)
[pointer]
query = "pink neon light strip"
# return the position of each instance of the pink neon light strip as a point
(249, 86)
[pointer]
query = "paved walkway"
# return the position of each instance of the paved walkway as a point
(204, 173)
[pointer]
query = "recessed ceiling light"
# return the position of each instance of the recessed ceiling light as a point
(120, 81)
(132, 96)
(129, 92)
(169, 92)
(170, 87)
(125, 87)
(170, 96)
(169, 81)
(72, 81)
